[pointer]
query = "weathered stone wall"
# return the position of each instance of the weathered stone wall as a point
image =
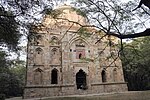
(96, 88)
(55, 56)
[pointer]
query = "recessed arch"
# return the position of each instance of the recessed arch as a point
(39, 56)
(54, 76)
(81, 80)
(38, 76)
(77, 39)
(55, 56)
(38, 39)
(38, 69)
(103, 74)
(39, 50)
(54, 51)
(54, 37)
(80, 55)
(54, 40)
(115, 76)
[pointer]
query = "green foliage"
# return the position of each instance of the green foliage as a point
(9, 33)
(9, 84)
(136, 61)
(19, 70)
(53, 13)
(87, 59)
(11, 76)
(3, 62)
(83, 32)
(79, 12)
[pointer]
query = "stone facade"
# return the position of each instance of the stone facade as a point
(60, 61)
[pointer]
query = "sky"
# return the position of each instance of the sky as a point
(24, 42)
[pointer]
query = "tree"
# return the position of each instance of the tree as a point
(145, 2)
(18, 71)
(9, 37)
(115, 18)
(111, 16)
(136, 62)
(9, 32)
(11, 78)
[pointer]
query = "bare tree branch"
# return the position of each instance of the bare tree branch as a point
(140, 34)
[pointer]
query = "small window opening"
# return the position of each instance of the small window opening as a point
(80, 55)
(37, 43)
(70, 50)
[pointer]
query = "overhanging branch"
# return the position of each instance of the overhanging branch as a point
(140, 34)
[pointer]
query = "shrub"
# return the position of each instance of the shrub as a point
(2, 96)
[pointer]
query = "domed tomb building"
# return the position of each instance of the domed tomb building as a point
(64, 58)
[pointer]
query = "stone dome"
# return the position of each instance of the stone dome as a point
(67, 15)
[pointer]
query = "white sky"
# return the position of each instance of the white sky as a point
(24, 43)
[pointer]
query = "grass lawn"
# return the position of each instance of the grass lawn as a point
(144, 95)
(134, 95)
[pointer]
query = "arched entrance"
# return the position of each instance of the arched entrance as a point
(54, 76)
(81, 80)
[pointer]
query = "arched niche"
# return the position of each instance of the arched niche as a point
(103, 74)
(39, 39)
(79, 41)
(79, 48)
(38, 76)
(54, 76)
(54, 40)
(55, 56)
(115, 76)
(38, 56)
(81, 80)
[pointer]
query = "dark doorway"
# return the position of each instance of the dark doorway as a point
(54, 77)
(81, 80)
(103, 76)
